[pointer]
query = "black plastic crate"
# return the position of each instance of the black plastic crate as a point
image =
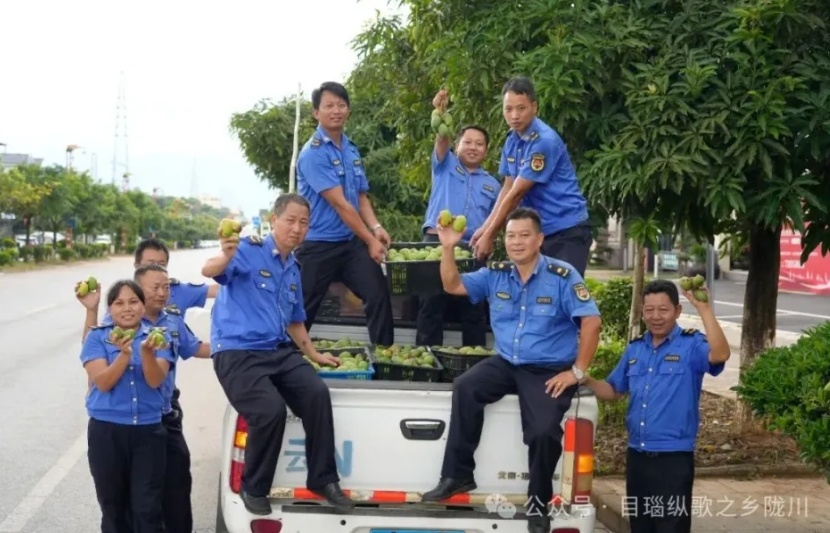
(420, 276)
(403, 372)
(455, 364)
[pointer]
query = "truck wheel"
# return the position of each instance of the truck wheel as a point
(220, 520)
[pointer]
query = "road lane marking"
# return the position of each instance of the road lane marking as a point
(780, 311)
(44, 488)
(40, 309)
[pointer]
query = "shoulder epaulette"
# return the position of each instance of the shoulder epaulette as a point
(500, 266)
(174, 281)
(172, 310)
(689, 331)
(195, 284)
(101, 326)
(559, 270)
(255, 239)
(316, 142)
(639, 337)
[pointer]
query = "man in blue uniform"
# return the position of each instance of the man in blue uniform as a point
(178, 482)
(538, 173)
(662, 371)
(546, 328)
(257, 315)
(345, 241)
(460, 185)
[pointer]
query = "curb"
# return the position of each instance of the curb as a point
(610, 515)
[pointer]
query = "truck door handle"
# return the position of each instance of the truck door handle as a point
(422, 429)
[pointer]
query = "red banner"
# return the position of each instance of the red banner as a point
(812, 277)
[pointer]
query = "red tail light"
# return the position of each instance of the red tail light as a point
(240, 439)
(268, 526)
(578, 461)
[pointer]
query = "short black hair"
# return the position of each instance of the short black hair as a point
(153, 244)
(283, 200)
(143, 269)
(520, 85)
(665, 286)
(337, 89)
(475, 127)
(115, 290)
(526, 213)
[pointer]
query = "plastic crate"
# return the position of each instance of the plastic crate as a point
(365, 375)
(455, 364)
(420, 277)
(398, 372)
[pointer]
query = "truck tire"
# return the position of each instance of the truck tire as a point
(220, 520)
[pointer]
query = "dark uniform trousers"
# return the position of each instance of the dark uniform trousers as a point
(349, 262)
(127, 464)
(431, 316)
(486, 383)
(178, 513)
(260, 385)
(572, 245)
(659, 491)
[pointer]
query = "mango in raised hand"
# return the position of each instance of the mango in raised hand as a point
(435, 120)
(701, 295)
(459, 224)
(686, 283)
(228, 227)
(83, 288)
(445, 218)
(698, 281)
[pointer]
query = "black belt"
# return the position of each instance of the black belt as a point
(661, 454)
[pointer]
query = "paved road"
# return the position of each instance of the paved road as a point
(47, 486)
(796, 312)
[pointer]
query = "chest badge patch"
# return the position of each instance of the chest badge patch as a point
(502, 295)
(544, 300)
(265, 273)
(489, 188)
(632, 361)
(672, 358)
(537, 162)
(511, 159)
(293, 287)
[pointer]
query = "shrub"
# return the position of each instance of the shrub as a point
(614, 301)
(788, 388)
(607, 356)
(6, 257)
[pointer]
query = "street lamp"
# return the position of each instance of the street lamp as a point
(69, 157)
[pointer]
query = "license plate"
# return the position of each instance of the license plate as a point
(415, 531)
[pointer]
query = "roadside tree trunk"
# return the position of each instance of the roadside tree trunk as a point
(636, 315)
(760, 302)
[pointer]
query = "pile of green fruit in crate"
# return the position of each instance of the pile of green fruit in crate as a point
(427, 253)
(464, 350)
(401, 354)
(325, 344)
(349, 362)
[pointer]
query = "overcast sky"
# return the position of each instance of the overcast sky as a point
(187, 67)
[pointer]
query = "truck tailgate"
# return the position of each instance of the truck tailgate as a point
(391, 436)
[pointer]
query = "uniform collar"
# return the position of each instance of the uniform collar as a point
(531, 133)
(459, 166)
(271, 245)
(541, 263)
(668, 340)
(162, 318)
(321, 133)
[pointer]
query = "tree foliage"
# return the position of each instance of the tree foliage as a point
(52, 199)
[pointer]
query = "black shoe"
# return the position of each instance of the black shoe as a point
(256, 504)
(335, 496)
(538, 524)
(448, 487)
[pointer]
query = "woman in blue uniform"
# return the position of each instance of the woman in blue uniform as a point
(126, 439)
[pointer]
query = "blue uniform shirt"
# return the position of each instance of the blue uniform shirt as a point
(260, 296)
(536, 322)
(132, 401)
(321, 166)
(183, 343)
(472, 194)
(664, 384)
(183, 296)
(540, 155)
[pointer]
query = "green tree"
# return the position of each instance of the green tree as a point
(22, 196)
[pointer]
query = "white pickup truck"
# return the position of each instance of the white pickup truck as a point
(390, 439)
